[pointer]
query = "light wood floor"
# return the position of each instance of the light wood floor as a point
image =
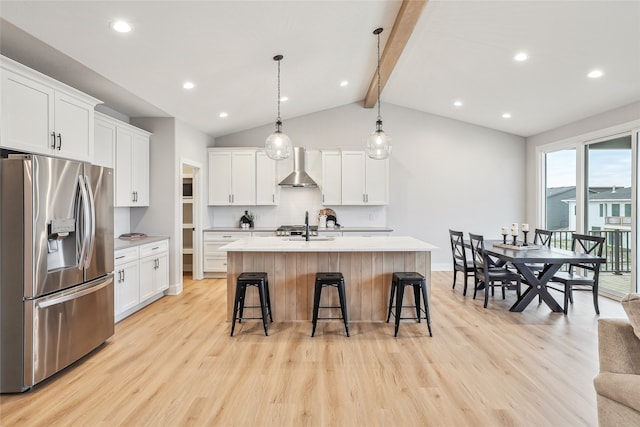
(174, 364)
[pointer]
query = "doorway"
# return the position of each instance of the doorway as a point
(190, 219)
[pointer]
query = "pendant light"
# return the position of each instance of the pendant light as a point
(378, 143)
(278, 144)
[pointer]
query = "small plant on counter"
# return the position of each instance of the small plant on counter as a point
(247, 218)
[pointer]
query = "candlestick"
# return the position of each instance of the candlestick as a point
(525, 227)
(525, 232)
(515, 240)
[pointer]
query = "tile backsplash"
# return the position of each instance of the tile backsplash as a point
(293, 204)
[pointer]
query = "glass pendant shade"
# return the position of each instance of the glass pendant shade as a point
(378, 143)
(278, 144)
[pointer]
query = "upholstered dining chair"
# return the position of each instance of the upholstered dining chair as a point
(460, 261)
(487, 273)
(589, 276)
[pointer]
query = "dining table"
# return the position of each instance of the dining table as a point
(524, 258)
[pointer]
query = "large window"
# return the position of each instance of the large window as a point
(608, 179)
(560, 192)
(589, 189)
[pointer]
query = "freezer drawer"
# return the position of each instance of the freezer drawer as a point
(66, 326)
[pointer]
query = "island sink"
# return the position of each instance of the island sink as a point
(309, 239)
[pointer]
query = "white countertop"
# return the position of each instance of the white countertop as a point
(337, 244)
(320, 230)
(124, 244)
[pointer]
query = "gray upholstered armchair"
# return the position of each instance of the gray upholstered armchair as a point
(618, 383)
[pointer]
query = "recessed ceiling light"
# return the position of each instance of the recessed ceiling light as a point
(344, 83)
(506, 115)
(457, 103)
(121, 26)
(521, 56)
(284, 99)
(595, 74)
(223, 115)
(188, 85)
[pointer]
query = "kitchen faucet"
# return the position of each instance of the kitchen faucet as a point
(306, 226)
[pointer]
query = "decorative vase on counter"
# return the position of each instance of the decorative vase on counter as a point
(247, 218)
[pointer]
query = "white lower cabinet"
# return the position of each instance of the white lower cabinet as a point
(141, 276)
(215, 261)
(154, 269)
(127, 281)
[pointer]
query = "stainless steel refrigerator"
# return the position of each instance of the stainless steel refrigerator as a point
(56, 265)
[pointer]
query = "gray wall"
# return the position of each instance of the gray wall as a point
(443, 173)
(171, 140)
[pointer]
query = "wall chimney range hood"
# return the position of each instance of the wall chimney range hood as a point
(298, 178)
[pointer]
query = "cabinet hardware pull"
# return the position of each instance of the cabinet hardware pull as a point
(59, 141)
(120, 257)
(53, 137)
(273, 198)
(157, 247)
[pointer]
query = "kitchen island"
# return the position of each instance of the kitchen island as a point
(367, 264)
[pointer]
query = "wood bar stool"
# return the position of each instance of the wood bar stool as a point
(261, 281)
(334, 280)
(419, 284)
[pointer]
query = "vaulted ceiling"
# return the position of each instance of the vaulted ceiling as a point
(459, 51)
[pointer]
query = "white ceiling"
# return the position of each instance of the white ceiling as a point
(460, 50)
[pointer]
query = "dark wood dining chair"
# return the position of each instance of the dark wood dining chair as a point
(487, 273)
(460, 261)
(590, 271)
(540, 238)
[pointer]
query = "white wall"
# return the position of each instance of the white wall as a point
(614, 118)
(443, 173)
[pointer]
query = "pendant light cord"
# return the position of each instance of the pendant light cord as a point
(379, 118)
(278, 119)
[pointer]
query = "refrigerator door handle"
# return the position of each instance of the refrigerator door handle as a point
(91, 288)
(86, 214)
(92, 222)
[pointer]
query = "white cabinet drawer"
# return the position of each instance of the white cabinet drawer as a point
(215, 264)
(212, 248)
(224, 237)
(263, 234)
(154, 248)
(126, 255)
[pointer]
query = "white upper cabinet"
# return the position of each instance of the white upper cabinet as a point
(132, 166)
(41, 115)
(126, 149)
(267, 189)
(104, 148)
(232, 177)
(364, 181)
(331, 177)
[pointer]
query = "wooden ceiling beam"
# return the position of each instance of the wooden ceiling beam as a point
(406, 21)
